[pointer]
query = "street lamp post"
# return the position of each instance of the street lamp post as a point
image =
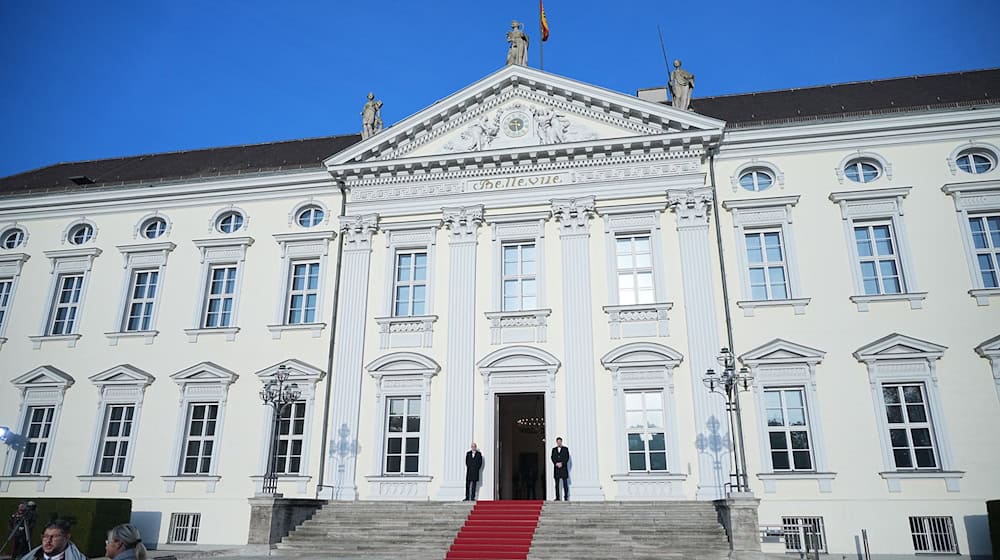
(729, 383)
(278, 396)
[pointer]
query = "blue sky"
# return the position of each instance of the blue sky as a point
(91, 80)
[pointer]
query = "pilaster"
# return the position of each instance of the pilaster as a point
(463, 224)
(581, 408)
(340, 479)
(692, 208)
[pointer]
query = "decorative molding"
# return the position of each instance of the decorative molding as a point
(650, 486)
(406, 332)
(749, 306)
(358, 231)
(639, 320)
(824, 480)
(692, 206)
(507, 327)
(990, 350)
(886, 167)
(756, 163)
(230, 333)
(915, 298)
(463, 222)
(573, 214)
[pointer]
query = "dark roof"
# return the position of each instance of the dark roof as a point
(854, 99)
(155, 168)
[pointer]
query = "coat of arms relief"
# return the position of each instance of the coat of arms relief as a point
(519, 125)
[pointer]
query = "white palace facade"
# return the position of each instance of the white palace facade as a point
(531, 257)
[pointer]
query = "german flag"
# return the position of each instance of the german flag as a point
(545, 22)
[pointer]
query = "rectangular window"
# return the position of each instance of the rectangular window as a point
(200, 438)
(402, 443)
(520, 276)
(38, 432)
(766, 265)
(303, 293)
(986, 243)
(910, 430)
(410, 285)
(804, 534)
(220, 297)
(644, 431)
(184, 527)
(788, 430)
(66, 304)
(634, 263)
(933, 534)
(878, 259)
(116, 436)
(291, 435)
(142, 296)
(6, 285)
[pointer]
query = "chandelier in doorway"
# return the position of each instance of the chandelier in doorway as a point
(531, 424)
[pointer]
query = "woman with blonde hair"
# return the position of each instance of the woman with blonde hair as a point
(125, 543)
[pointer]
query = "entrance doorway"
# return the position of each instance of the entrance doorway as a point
(520, 452)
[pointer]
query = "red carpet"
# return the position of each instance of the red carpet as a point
(497, 530)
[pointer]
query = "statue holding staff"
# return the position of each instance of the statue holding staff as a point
(518, 39)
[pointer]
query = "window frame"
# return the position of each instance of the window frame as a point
(72, 234)
(908, 425)
(216, 253)
(408, 331)
(293, 215)
(298, 248)
(192, 528)
(756, 164)
(65, 262)
(10, 271)
(307, 377)
(645, 433)
(139, 258)
(926, 523)
(20, 236)
(881, 205)
(990, 151)
(203, 383)
(762, 215)
(519, 277)
(782, 364)
(119, 386)
(881, 164)
(900, 359)
(979, 198)
(798, 521)
(525, 325)
(43, 386)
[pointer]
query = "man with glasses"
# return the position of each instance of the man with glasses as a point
(56, 544)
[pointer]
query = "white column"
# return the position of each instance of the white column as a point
(711, 424)
(340, 479)
(460, 397)
(581, 423)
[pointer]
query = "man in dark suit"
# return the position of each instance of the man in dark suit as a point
(473, 464)
(560, 462)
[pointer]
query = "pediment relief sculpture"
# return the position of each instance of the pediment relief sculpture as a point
(520, 124)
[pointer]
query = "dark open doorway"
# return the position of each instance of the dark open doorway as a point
(520, 466)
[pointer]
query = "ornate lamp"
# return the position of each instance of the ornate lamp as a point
(729, 383)
(278, 396)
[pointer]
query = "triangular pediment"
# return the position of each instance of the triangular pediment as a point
(898, 346)
(989, 348)
(780, 351)
(205, 372)
(521, 109)
(122, 375)
(43, 376)
(297, 371)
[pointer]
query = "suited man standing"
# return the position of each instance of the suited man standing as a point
(560, 462)
(473, 464)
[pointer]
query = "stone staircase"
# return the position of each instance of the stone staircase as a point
(629, 530)
(566, 531)
(383, 530)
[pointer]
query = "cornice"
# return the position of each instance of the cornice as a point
(869, 194)
(761, 202)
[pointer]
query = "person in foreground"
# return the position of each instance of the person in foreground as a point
(560, 462)
(125, 543)
(473, 464)
(56, 544)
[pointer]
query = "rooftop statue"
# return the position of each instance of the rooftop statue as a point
(681, 84)
(518, 39)
(371, 117)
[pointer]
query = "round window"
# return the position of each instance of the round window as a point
(229, 222)
(81, 233)
(756, 179)
(154, 227)
(862, 170)
(975, 161)
(12, 238)
(310, 216)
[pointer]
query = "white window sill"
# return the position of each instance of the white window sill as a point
(147, 336)
(87, 479)
(69, 338)
(637, 320)
(315, 328)
(749, 306)
(209, 480)
(916, 299)
(399, 487)
(301, 482)
(415, 331)
(230, 333)
(983, 295)
(823, 479)
(893, 478)
(39, 480)
(649, 485)
(528, 325)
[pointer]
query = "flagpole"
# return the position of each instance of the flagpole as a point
(666, 62)
(541, 42)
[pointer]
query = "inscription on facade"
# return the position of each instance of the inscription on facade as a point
(505, 183)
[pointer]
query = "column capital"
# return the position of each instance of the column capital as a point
(358, 231)
(573, 214)
(692, 206)
(463, 221)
